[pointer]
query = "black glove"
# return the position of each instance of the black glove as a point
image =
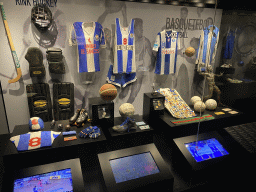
(34, 56)
(54, 57)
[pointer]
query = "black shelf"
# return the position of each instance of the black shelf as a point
(160, 133)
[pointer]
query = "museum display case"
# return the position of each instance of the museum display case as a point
(127, 96)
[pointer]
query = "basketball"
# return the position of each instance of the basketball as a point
(126, 110)
(108, 92)
(211, 104)
(199, 105)
(190, 51)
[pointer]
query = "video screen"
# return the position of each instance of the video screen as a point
(133, 167)
(57, 181)
(206, 149)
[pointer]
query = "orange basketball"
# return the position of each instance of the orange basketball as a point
(108, 92)
(190, 51)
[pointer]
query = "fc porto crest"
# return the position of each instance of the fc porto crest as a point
(96, 37)
(131, 35)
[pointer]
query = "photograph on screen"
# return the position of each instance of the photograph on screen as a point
(133, 167)
(206, 149)
(59, 181)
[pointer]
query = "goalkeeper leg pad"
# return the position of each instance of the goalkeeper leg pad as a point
(39, 101)
(63, 100)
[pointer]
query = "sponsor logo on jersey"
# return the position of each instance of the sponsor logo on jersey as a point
(167, 51)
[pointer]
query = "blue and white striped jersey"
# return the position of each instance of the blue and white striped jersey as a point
(88, 37)
(34, 140)
(167, 44)
(208, 42)
(124, 49)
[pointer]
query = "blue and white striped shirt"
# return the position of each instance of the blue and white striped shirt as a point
(167, 44)
(208, 42)
(34, 140)
(124, 49)
(88, 44)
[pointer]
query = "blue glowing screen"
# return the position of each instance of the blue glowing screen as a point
(133, 167)
(206, 149)
(59, 181)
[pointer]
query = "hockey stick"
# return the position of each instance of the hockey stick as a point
(14, 54)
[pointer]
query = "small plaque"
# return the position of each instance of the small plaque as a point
(219, 113)
(226, 109)
(233, 112)
(70, 138)
(144, 127)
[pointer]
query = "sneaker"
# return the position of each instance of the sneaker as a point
(73, 119)
(128, 124)
(83, 116)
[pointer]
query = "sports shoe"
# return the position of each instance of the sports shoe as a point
(128, 124)
(73, 119)
(83, 116)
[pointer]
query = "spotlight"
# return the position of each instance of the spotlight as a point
(210, 1)
(160, 1)
(174, 3)
(145, 1)
(196, 1)
(199, 4)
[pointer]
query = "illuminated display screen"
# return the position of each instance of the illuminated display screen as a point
(59, 181)
(133, 167)
(206, 149)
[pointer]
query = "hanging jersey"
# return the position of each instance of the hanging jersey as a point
(124, 49)
(167, 43)
(208, 42)
(88, 41)
(34, 140)
(229, 45)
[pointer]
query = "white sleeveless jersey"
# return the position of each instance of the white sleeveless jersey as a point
(124, 49)
(88, 45)
(167, 43)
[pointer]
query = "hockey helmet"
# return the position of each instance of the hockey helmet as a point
(41, 16)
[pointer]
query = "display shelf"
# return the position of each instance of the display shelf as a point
(87, 152)
(134, 137)
(57, 151)
(58, 142)
(219, 121)
(239, 95)
(120, 120)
